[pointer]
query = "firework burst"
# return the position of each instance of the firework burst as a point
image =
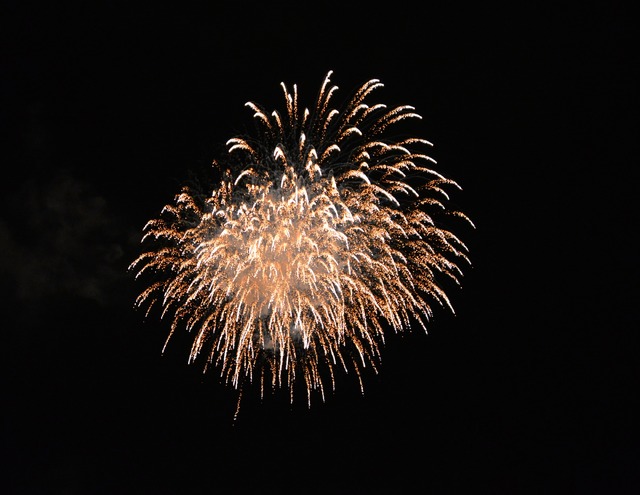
(321, 235)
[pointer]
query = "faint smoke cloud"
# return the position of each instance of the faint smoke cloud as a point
(60, 239)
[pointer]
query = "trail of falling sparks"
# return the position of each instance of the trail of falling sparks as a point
(320, 236)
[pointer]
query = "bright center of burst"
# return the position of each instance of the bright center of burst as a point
(285, 248)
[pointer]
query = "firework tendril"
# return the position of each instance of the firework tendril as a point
(323, 233)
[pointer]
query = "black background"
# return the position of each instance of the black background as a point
(532, 387)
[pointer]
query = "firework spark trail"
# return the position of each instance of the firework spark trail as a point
(321, 234)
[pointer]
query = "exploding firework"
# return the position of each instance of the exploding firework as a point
(322, 234)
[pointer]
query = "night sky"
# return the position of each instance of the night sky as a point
(531, 387)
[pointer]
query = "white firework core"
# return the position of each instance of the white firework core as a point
(320, 236)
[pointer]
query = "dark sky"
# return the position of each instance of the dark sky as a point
(532, 387)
